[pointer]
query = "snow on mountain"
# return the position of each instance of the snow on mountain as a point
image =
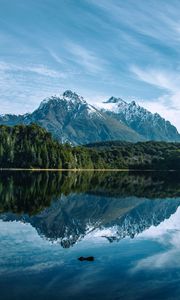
(151, 126)
(73, 218)
(130, 110)
(70, 118)
(68, 95)
(70, 100)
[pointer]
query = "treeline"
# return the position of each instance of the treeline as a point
(30, 192)
(33, 147)
(141, 155)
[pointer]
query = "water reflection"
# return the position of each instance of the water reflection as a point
(67, 207)
(128, 222)
(168, 234)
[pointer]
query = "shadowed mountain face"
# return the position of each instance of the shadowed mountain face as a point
(69, 206)
(71, 119)
(149, 125)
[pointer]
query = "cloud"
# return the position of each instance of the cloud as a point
(28, 239)
(89, 49)
(44, 71)
(168, 105)
(163, 26)
(38, 69)
(168, 235)
(23, 87)
(56, 57)
(163, 79)
(85, 58)
(160, 105)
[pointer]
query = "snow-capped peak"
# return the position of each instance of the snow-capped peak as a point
(68, 95)
(71, 102)
(43, 102)
(114, 100)
(113, 104)
(119, 106)
(133, 103)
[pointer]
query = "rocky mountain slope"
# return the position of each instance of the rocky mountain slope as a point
(151, 126)
(71, 119)
(72, 218)
(69, 207)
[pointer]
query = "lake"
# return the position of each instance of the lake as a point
(129, 223)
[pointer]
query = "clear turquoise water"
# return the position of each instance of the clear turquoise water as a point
(130, 223)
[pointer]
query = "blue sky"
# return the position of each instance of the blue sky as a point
(98, 48)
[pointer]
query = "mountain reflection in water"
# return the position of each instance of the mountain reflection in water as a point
(125, 225)
(67, 207)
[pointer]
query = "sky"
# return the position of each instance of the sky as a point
(128, 49)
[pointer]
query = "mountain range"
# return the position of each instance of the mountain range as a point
(72, 119)
(67, 207)
(150, 126)
(72, 218)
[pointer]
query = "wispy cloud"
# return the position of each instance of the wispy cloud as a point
(85, 57)
(38, 69)
(90, 49)
(169, 82)
(163, 25)
(55, 56)
(168, 235)
(23, 87)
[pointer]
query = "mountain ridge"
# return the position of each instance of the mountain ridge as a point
(70, 219)
(70, 118)
(150, 125)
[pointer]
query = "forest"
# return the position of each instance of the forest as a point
(31, 147)
(40, 189)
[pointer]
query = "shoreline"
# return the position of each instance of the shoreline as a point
(87, 170)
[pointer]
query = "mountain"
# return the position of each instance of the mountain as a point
(71, 119)
(31, 146)
(40, 189)
(71, 218)
(150, 126)
(66, 207)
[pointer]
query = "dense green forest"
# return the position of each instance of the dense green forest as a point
(40, 189)
(33, 147)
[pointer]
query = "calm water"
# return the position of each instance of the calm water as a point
(130, 223)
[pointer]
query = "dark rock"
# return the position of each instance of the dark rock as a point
(89, 258)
